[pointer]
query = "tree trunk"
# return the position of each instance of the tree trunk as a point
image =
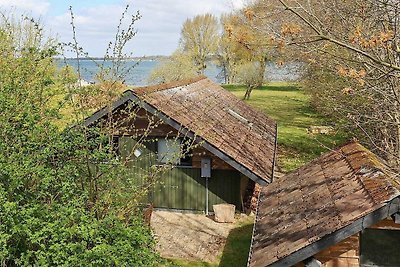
(263, 66)
(248, 92)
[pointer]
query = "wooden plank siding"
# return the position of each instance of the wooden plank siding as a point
(387, 224)
(181, 188)
(224, 187)
(216, 163)
(344, 254)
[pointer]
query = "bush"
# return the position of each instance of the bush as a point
(54, 210)
(59, 235)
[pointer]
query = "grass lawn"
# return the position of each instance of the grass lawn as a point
(236, 250)
(186, 263)
(291, 108)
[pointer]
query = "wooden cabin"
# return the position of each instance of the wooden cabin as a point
(232, 145)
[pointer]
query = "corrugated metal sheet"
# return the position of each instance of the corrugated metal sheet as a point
(319, 198)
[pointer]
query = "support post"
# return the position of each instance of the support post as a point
(207, 196)
(206, 173)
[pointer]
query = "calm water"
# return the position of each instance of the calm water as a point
(140, 73)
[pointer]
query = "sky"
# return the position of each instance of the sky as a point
(96, 20)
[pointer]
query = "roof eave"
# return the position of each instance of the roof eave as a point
(127, 96)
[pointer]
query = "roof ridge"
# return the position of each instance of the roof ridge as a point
(165, 86)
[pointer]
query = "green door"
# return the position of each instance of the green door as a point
(224, 187)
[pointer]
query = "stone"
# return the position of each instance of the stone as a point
(224, 213)
(321, 130)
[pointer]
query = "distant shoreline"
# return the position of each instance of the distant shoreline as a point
(153, 58)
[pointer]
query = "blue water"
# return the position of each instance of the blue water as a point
(139, 75)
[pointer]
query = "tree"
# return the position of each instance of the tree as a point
(248, 74)
(56, 205)
(353, 45)
(242, 48)
(231, 52)
(199, 39)
(178, 66)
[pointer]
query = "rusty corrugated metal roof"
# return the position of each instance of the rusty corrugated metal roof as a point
(318, 199)
(241, 132)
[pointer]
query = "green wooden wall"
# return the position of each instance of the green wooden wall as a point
(180, 187)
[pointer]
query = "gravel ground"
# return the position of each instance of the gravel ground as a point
(189, 236)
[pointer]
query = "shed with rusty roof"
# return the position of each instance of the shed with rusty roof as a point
(238, 140)
(319, 210)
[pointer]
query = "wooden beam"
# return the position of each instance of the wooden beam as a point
(388, 209)
(387, 224)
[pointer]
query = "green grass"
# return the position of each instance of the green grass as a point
(291, 108)
(186, 263)
(236, 250)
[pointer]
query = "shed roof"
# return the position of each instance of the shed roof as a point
(240, 135)
(321, 204)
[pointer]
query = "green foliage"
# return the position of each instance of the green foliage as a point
(331, 93)
(56, 209)
(67, 235)
(199, 39)
(249, 75)
(242, 50)
(187, 263)
(68, 75)
(177, 67)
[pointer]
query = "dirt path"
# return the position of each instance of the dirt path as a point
(189, 236)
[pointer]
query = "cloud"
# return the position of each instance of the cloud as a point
(158, 29)
(35, 7)
(238, 4)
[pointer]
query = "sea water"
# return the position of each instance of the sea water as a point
(139, 74)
